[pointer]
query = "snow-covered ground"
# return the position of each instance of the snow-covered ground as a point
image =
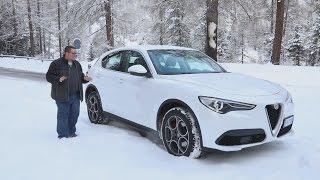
(29, 148)
(31, 64)
(25, 64)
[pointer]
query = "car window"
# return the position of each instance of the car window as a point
(112, 62)
(133, 58)
(173, 61)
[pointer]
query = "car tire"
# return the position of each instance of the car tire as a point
(180, 133)
(94, 108)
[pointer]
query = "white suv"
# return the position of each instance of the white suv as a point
(190, 101)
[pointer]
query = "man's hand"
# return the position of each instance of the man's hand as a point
(62, 78)
(87, 78)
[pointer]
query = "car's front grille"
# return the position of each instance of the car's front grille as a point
(273, 113)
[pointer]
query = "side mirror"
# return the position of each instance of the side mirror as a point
(138, 70)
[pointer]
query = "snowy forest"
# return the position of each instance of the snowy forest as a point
(251, 31)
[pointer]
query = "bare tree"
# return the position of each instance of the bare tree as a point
(161, 29)
(39, 25)
(271, 17)
(59, 27)
(108, 15)
(67, 20)
(286, 16)
(277, 42)
(212, 26)
(15, 28)
(43, 35)
(30, 29)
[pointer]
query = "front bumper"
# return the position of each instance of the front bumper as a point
(241, 129)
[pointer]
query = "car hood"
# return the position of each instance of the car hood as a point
(231, 83)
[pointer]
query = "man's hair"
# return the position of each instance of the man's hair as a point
(68, 48)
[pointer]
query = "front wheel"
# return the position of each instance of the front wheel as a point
(94, 108)
(180, 133)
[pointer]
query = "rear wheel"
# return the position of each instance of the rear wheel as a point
(95, 108)
(180, 133)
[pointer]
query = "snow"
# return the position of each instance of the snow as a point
(33, 65)
(25, 64)
(212, 29)
(30, 149)
(251, 56)
(153, 47)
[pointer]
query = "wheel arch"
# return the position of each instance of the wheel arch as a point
(168, 104)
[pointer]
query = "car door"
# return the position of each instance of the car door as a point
(134, 89)
(108, 82)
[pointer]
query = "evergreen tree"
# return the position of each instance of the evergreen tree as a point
(314, 48)
(296, 48)
(91, 54)
(176, 31)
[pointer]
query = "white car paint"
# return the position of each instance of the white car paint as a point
(138, 98)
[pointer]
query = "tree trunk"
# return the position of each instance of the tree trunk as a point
(44, 42)
(59, 28)
(39, 26)
(277, 42)
(271, 18)
(49, 45)
(109, 28)
(67, 18)
(161, 15)
(286, 17)
(30, 29)
(242, 48)
(15, 29)
(44, 36)
(212, 26)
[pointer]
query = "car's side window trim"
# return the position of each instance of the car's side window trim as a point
(106, 60)
(128, 52)
(125, 52)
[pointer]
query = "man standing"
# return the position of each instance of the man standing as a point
(66, 78)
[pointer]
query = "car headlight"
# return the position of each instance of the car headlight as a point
(289, 98)
(223, 106)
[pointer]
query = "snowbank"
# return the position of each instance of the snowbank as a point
(32, 64)
(29, 148)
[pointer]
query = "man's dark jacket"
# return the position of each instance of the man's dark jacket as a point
(60, 90)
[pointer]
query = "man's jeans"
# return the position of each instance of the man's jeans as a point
(68, 113)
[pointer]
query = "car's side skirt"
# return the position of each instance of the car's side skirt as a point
(151, 134)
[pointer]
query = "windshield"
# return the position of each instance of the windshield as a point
(167, 62)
